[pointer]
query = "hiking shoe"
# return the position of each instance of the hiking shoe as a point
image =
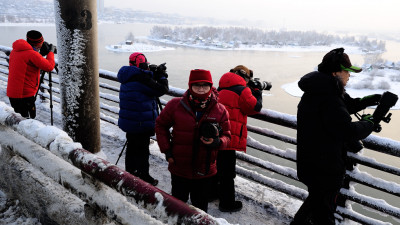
(233, 207)
(150, 180)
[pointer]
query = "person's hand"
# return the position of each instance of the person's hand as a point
(52, 48)
(169, 157)
(211, 142)
(370, 100)
(367, 117)
(171, 160)
(206, 141)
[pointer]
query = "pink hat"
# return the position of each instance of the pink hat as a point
(136, 58)
(199, 75)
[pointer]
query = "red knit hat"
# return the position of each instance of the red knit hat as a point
(199, 75)
(34, 37)
(136, 58)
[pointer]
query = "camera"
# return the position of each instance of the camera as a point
(261, 85)
(387, 101)
(210, 130)
(46, 48)
(158, 71)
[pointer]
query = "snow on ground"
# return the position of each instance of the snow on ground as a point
(137, 47)
(259, 47)
(375, 81)
(10, 213)
(262, 205)
(142, 47)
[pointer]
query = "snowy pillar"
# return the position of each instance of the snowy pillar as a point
(76, 23)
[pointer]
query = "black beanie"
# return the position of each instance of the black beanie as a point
(34, 37)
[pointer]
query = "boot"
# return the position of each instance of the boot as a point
(232, 207)
(149, 180)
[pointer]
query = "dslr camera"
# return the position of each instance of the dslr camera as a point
(261, 85)
(46, 48)
(210, 130)
(388, 100)
(158, 71)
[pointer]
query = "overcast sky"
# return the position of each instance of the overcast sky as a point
(358, 15)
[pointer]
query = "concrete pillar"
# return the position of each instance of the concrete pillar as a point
(76, 24)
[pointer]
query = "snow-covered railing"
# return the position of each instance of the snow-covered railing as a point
(59, 144)
(390, 147)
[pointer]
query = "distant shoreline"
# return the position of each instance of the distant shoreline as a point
(272, 48)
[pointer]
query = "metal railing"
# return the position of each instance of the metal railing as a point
(109, 113)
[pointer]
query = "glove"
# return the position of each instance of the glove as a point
(45, 49)
(53, 48)
(370, 100)
(368, 117)
(256, 93)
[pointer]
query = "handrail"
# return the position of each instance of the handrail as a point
(373, 142)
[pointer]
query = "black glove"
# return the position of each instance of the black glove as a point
(370, 100)
(256, 92)
(370, 118)
(45, 49)
(354, 146)
(53, 48)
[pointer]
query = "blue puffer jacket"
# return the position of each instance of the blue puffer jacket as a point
(138, 94)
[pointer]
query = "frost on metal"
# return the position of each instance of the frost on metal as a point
(71, 45)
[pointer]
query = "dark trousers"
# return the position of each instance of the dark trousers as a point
(318, 208)
(137, 154)
(196, 188)
(226, 163)
(24, 106)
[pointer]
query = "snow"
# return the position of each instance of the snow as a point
(10, 214)
(258, 47)
(137, 47)
(362, 84)
(281, 206)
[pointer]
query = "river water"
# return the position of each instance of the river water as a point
(277, 67)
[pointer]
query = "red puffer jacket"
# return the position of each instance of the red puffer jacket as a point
(239, 101)
(191, 156)
(24, 71)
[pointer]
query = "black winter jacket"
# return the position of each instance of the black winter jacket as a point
(323, 127)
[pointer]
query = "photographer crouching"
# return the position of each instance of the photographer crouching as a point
(141, 86)
(25, 64)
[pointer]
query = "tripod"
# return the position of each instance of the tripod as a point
(159, 109)
(42, 74)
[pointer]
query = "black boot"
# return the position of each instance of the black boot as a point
(230, 207)
(149, 179)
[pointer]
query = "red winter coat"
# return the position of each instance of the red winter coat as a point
(24, 70)
(185, 139)
(239, 101)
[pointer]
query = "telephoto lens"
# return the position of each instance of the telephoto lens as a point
(388, 100)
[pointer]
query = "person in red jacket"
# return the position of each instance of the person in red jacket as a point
(240, 101)
(24, 72)
(200, 128)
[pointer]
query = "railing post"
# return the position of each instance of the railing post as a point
(76, 23)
